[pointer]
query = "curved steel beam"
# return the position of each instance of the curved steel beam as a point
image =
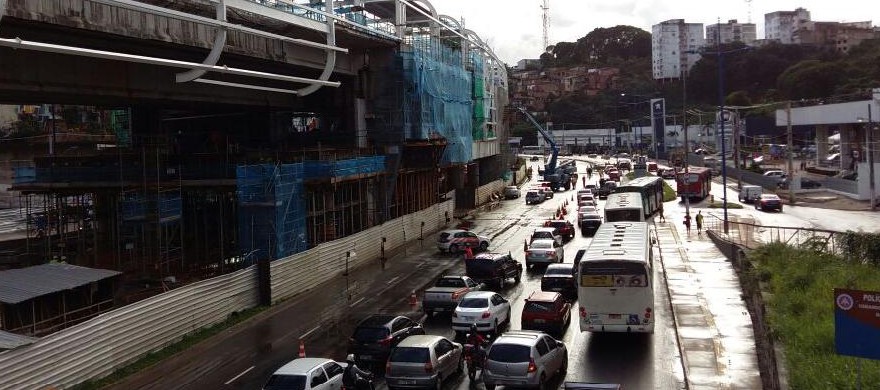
(329, 65)
(216, 50)
(18, 43)
(427, 5)
(450, 21)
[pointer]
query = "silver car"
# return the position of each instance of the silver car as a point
(524, 358)
(544, 251)
(423, 361)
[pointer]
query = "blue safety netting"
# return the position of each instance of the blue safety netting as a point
(354, 166)
(438, 101)
(272, 210)
(160, 207)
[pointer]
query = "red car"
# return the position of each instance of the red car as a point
(565, 228)
(546, 311)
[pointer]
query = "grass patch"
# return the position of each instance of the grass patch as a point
(668, 192)
(719, 205)
(801, 312)
(153, 358)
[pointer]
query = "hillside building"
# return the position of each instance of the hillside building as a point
(730, 32)
(674, 46)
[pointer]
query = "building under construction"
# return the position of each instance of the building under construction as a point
(190, 191)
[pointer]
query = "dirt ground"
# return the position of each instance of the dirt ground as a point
(829, 200)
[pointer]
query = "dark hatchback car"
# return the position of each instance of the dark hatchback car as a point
(374, 337)
(560, 278)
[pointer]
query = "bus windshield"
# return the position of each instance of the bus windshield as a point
(613, 274)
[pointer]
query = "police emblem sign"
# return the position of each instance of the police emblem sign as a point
(857, 323)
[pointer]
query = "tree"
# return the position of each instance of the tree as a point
(811, 79)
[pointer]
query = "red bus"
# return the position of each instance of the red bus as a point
(694, 184)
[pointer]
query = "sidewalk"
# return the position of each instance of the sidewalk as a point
(713, 325)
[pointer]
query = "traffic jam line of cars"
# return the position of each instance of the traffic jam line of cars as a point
(399, 348)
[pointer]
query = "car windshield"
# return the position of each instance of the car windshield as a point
(409, 355)
(474, 303)
(509, 353)
(286, 382)
(542, 245)
(369, 334)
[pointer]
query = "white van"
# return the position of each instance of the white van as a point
(748, 194)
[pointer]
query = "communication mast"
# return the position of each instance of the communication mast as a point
(546, 19)
(749, 5)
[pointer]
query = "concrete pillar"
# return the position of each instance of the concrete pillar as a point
(821, 143)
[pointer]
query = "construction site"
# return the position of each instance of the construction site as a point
(186, 193)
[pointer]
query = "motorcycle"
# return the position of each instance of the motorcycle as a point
(362, 383)
(474, 356)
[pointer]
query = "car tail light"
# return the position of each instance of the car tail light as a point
(485, 314)
(551, 253)
(429, 368)
(583, 312)
(454, 314)
(386, 342)
(647, 312)
(388, 368)
(532, 366)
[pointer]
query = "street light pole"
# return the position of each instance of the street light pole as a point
(687, 146)
(720, 124)
(870, 151)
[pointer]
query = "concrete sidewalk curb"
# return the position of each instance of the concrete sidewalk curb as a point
(675, 320)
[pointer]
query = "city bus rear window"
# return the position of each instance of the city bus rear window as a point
(613, 274)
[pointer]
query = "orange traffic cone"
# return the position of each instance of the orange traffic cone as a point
(413, 300)
(302, 349)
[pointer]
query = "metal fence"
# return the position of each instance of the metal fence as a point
(97, 347)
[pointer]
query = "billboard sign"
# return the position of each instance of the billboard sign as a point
(857, 323)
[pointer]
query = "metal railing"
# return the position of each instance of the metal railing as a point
(752, 235)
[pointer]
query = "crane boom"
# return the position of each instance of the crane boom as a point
(558, 176)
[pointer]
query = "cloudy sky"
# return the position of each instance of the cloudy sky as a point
(513, 27)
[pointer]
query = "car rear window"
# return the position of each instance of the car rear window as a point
(538, 307)
(370, 334)
(474, 303)
(409, 355)
(509, 353)
(286, 382)
(550, 271)
(450, 282)
(477, 268)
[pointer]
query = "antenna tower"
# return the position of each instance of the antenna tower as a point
(749, 5)
(546, 19)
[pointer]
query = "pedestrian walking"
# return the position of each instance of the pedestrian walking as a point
(590, 172)
(699, 221)
(662, 217)
(585, 180)
(687, 222)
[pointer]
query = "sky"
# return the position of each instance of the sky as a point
(513, 28)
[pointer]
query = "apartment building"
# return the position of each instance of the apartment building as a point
(779, 26)
(674, 46)
(730, 32)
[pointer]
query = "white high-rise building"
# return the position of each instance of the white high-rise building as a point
(780, 25)
(732, 31)
(674, 46)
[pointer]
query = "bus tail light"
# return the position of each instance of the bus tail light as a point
(583, 312)
(647, 312)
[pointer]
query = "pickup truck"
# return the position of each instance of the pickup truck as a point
(447, 292)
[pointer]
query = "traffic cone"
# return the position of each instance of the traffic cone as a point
(413, 300)
(302, 349)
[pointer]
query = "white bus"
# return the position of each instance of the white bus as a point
(616, 280)
(624, 206)
(533, 150)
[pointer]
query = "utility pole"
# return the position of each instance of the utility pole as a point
(870, 150)
(736, 146)
(687, 146)
(790, 148)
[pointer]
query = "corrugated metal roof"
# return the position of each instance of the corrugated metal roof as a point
(13, 340)
(18, 285)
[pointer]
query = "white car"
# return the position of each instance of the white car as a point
(454, 241)
(307, 374)
(488, 309)
(546, 232)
